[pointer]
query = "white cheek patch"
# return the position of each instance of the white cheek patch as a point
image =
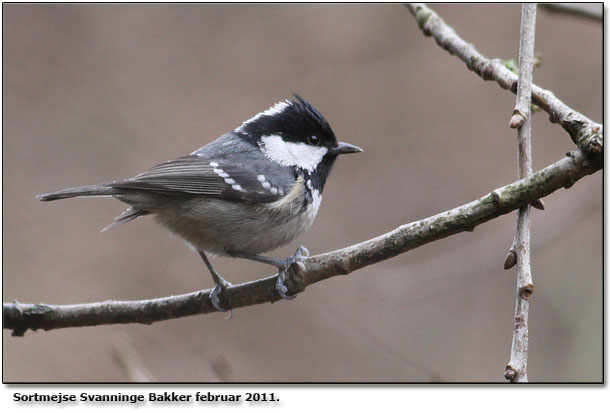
(291, 153)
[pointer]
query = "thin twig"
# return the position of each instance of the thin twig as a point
(516, 370)
(585, 133)
(563, 173)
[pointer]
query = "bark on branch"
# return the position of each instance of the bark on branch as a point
(585, 133)
(516, 369)
(20, 317)
(563, 173)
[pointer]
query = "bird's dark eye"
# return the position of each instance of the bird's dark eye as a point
(313, 140)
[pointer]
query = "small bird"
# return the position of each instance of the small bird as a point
(250, 191)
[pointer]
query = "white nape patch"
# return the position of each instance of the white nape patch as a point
(291, 153)
(266, 185)
(261, 178)
(273, 110)
(237, 187)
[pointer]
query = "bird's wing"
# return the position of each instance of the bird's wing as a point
(222, 179)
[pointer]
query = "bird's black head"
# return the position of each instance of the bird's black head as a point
(296, 121)
(294, 133)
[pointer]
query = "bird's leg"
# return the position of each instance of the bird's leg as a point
(281, 264)
(219, 284)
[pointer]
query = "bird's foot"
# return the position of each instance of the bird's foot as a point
(301, 254)
(281, 264)
(215, 299)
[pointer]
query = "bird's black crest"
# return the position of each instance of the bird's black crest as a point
(307, 107)
(295, 120)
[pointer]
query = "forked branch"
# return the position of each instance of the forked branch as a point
(563, 173)
(20, 317)
(585, 133)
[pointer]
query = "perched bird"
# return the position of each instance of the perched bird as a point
(250, 191)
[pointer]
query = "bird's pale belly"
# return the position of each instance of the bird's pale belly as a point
(239, 227)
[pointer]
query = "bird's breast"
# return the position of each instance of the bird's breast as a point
(225, 228)
(298, 209)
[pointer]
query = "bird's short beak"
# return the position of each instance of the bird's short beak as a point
(343, 147)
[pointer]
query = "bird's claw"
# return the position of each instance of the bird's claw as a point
(215, 300)
(300, 254)
(280, 287)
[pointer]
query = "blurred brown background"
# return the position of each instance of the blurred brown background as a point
(100, 92)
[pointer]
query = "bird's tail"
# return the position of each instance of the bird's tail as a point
(90, 190)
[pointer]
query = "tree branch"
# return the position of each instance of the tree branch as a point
(563, 173)
(585, 133)
(516, 370)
